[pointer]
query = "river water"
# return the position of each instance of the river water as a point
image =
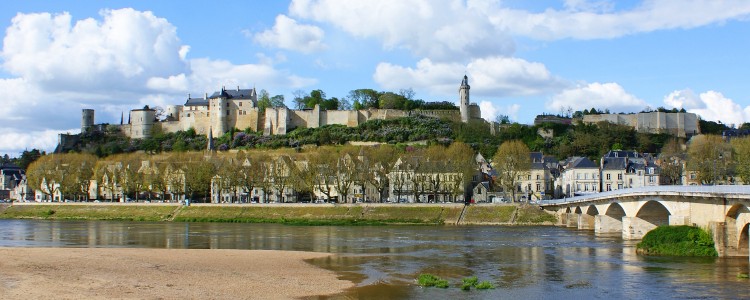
(522, 262)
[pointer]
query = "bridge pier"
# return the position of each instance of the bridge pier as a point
(572, 220)
(634, 228)
(586, 221)
(607, 224)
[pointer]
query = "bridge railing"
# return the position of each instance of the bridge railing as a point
(646, 190)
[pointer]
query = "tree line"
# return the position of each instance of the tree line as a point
(325, 170)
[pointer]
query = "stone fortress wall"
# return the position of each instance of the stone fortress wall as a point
(679, 123)
(238, 108)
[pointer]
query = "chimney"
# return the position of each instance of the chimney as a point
(205, 96)
(188, 95)
(238, 88)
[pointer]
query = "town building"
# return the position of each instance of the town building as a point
(578, 176)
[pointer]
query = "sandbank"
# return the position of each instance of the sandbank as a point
(107, 273)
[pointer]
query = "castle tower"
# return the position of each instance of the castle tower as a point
(87, 120)
(220, 119)
(463, 98)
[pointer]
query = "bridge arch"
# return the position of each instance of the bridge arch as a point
(615, 211)
(654, 213)
(737, 220)
(587, 220)
(611, 220)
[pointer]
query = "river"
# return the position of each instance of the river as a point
(522, 262)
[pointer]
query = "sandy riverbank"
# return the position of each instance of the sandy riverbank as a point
(104, 273)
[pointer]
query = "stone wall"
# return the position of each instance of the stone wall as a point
(680, 124)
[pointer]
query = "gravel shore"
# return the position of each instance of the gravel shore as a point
(107, 273)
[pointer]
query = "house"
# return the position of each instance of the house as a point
(578, 176)
(538, 183)
(628, 169)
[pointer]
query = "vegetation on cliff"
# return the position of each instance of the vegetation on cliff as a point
(677, 241)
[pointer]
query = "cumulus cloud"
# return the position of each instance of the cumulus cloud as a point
(15, 142)
(426, 28)
(429, 28)
(123, 60)
(597, 95)
(116, 54)
(595, 20)
(288, 34)
(710, 105)
(490, 110)
(491, 77)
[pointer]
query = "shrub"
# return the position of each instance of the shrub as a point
(484, 285)
(677, 241)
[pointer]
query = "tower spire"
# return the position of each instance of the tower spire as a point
(210, 144)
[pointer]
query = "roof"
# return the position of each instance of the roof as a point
(622, 153)
(235, 94)
(614, 163)
(536, 157)
(578, 162)
(196, 102)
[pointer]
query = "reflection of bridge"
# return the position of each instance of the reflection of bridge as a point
(722, 210)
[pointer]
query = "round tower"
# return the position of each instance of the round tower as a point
(220, 122)
(463, 99)
(142, 122)
(87, 119)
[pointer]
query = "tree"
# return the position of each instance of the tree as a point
(251, 171)
(378, 164)
(671, 158)
(407, 94)
(502, 119)
(264, 100)
(391, 100)
(512, 161)
(709, 156)
(299, 99)
(46, 175)
(281, 176)
(27, 157)
(461, 162)
(366, 98)
(198, 174)
(346, 173)
(741, 147)
(82, 171)
(316, 97)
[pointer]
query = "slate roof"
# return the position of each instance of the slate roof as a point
(238, 94)
(578, 162)
(622, 153)
(196, 102)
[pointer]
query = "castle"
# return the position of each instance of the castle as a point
(681, 124)
(238, 108)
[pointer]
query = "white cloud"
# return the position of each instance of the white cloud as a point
(490, 77)
(116, 54)
(592, 20)
(597, 95)
(490, 110)
(711, 105)
(288, 34)
(440, 29)
(450, 30)
(15, 142)
(123, 60)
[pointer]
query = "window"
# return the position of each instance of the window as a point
(609, 187)
(619, 176)
(586, 187)
(630, 181)
(538, 187)
(528, 177)
(608, 176)
(692, 175)
(240, 103)
(538, 177)
(227, 112)
(619, 186)
(188, 115)
(651, 179)
(578, 176)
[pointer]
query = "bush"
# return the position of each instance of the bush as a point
(427, 280)
(677, 241)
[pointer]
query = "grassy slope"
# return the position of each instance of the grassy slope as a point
(286, 214)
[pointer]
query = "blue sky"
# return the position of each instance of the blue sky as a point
(523, 58)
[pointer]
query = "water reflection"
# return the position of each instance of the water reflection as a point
(522, 262)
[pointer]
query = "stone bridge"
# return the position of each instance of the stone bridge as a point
(722, 210)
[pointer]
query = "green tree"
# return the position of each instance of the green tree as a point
(198, 175)
(512, 161)
(389, 100)
(46, 174)
(365, 98)
(671, 158)
(709, 156)
(741, 147)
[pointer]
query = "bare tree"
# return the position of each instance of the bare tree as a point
(512, 160)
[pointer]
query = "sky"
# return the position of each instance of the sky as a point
(522, 58)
